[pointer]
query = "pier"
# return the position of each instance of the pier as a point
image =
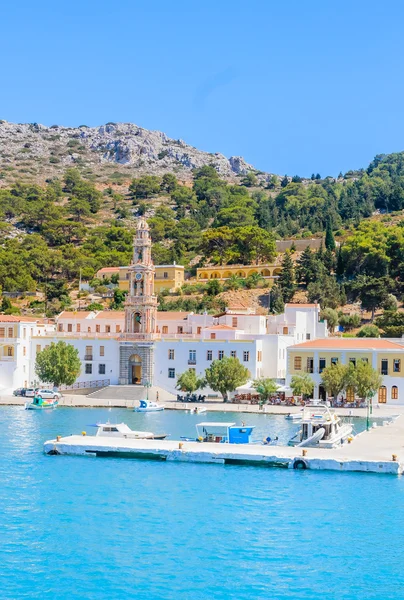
(379, 450)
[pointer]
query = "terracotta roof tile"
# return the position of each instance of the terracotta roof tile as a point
(172, 316)
(301, 305)
(10, 319)
(349, 344)
(221, 327)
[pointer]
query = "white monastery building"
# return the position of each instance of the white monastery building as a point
(140, 345)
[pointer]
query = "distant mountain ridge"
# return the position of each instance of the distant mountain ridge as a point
(40, 152)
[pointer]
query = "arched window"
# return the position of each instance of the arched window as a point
(394, 392)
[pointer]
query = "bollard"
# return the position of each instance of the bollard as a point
(304, 452)
(394, 457)
(58, 438)
(180, 445)
(83, 433)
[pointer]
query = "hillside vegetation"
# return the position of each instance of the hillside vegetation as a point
(53, 232)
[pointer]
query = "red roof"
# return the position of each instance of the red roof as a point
(221, 327)
(302, 305)
(349, 344)
(10, 319)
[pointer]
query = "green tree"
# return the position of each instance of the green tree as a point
(190, 382)
(286, 279)
(265, 387)
(250, 180)
(213, 287)
(329, 237)
(349, 322)
(79, 208)
(392, 323)
(169, 183)
(302, 385)
(371, 292)
(59, 364)
(144, 187)
(5, 304)
(367, 380)
(276, 302)
(369, 331)
(119, 299)
(335, 379)
(226, 375)
(331, 317)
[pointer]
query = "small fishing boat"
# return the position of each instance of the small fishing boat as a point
(148, 406)
(198, 410)
(121, 430)
(294, 416)
(222, 433)
(321, 427)
(39, 403)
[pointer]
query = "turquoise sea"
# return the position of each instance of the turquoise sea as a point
(91, 528)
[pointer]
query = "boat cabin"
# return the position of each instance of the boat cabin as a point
(223, 433)
(120, 430)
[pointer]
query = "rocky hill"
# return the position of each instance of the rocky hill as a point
(111, 152)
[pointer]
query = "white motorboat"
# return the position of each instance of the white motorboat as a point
(198, 410)
(121, 430)
(294, 416)
(321, 427)
(148, 406)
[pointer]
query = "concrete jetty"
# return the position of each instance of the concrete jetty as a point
(380, 450)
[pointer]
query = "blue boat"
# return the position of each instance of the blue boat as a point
(223, 433)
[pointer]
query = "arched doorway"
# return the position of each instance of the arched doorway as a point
(135, 369)
(382, 396)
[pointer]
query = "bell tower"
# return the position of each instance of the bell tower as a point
(137, 341)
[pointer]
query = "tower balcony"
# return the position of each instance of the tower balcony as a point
(137, 337)
(140, 300)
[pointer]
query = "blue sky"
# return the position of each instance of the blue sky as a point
(293, 86)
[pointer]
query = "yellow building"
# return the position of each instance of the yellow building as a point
(270, 272)
(168, 277)
(385, 356)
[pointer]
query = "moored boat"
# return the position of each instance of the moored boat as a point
(39, 403)
(222, 433)
(294, 416)
(321, 427)
(148, 406)
(121, 430)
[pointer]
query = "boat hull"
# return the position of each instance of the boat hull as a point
(46, 406)
(151, 409)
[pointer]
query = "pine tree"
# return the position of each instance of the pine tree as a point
(286, 279)
(329, 237)
(276, 303)
(306, 267)
(340, 268)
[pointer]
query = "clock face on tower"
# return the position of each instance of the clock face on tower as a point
(138, 276)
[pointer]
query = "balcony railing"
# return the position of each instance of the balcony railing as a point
(88, 357)
(192, 362)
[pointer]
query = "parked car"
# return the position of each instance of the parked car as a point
(30, 392)
(19, 392)
(43, 393)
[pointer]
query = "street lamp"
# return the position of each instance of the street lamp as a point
(369, 412)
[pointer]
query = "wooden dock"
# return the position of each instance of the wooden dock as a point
(380, 450)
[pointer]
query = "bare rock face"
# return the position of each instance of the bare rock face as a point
(47, 151)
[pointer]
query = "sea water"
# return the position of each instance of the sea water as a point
(92, 528)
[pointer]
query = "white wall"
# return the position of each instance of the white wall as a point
(181, 357)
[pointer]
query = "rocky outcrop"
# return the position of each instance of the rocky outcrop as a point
(47, 151)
